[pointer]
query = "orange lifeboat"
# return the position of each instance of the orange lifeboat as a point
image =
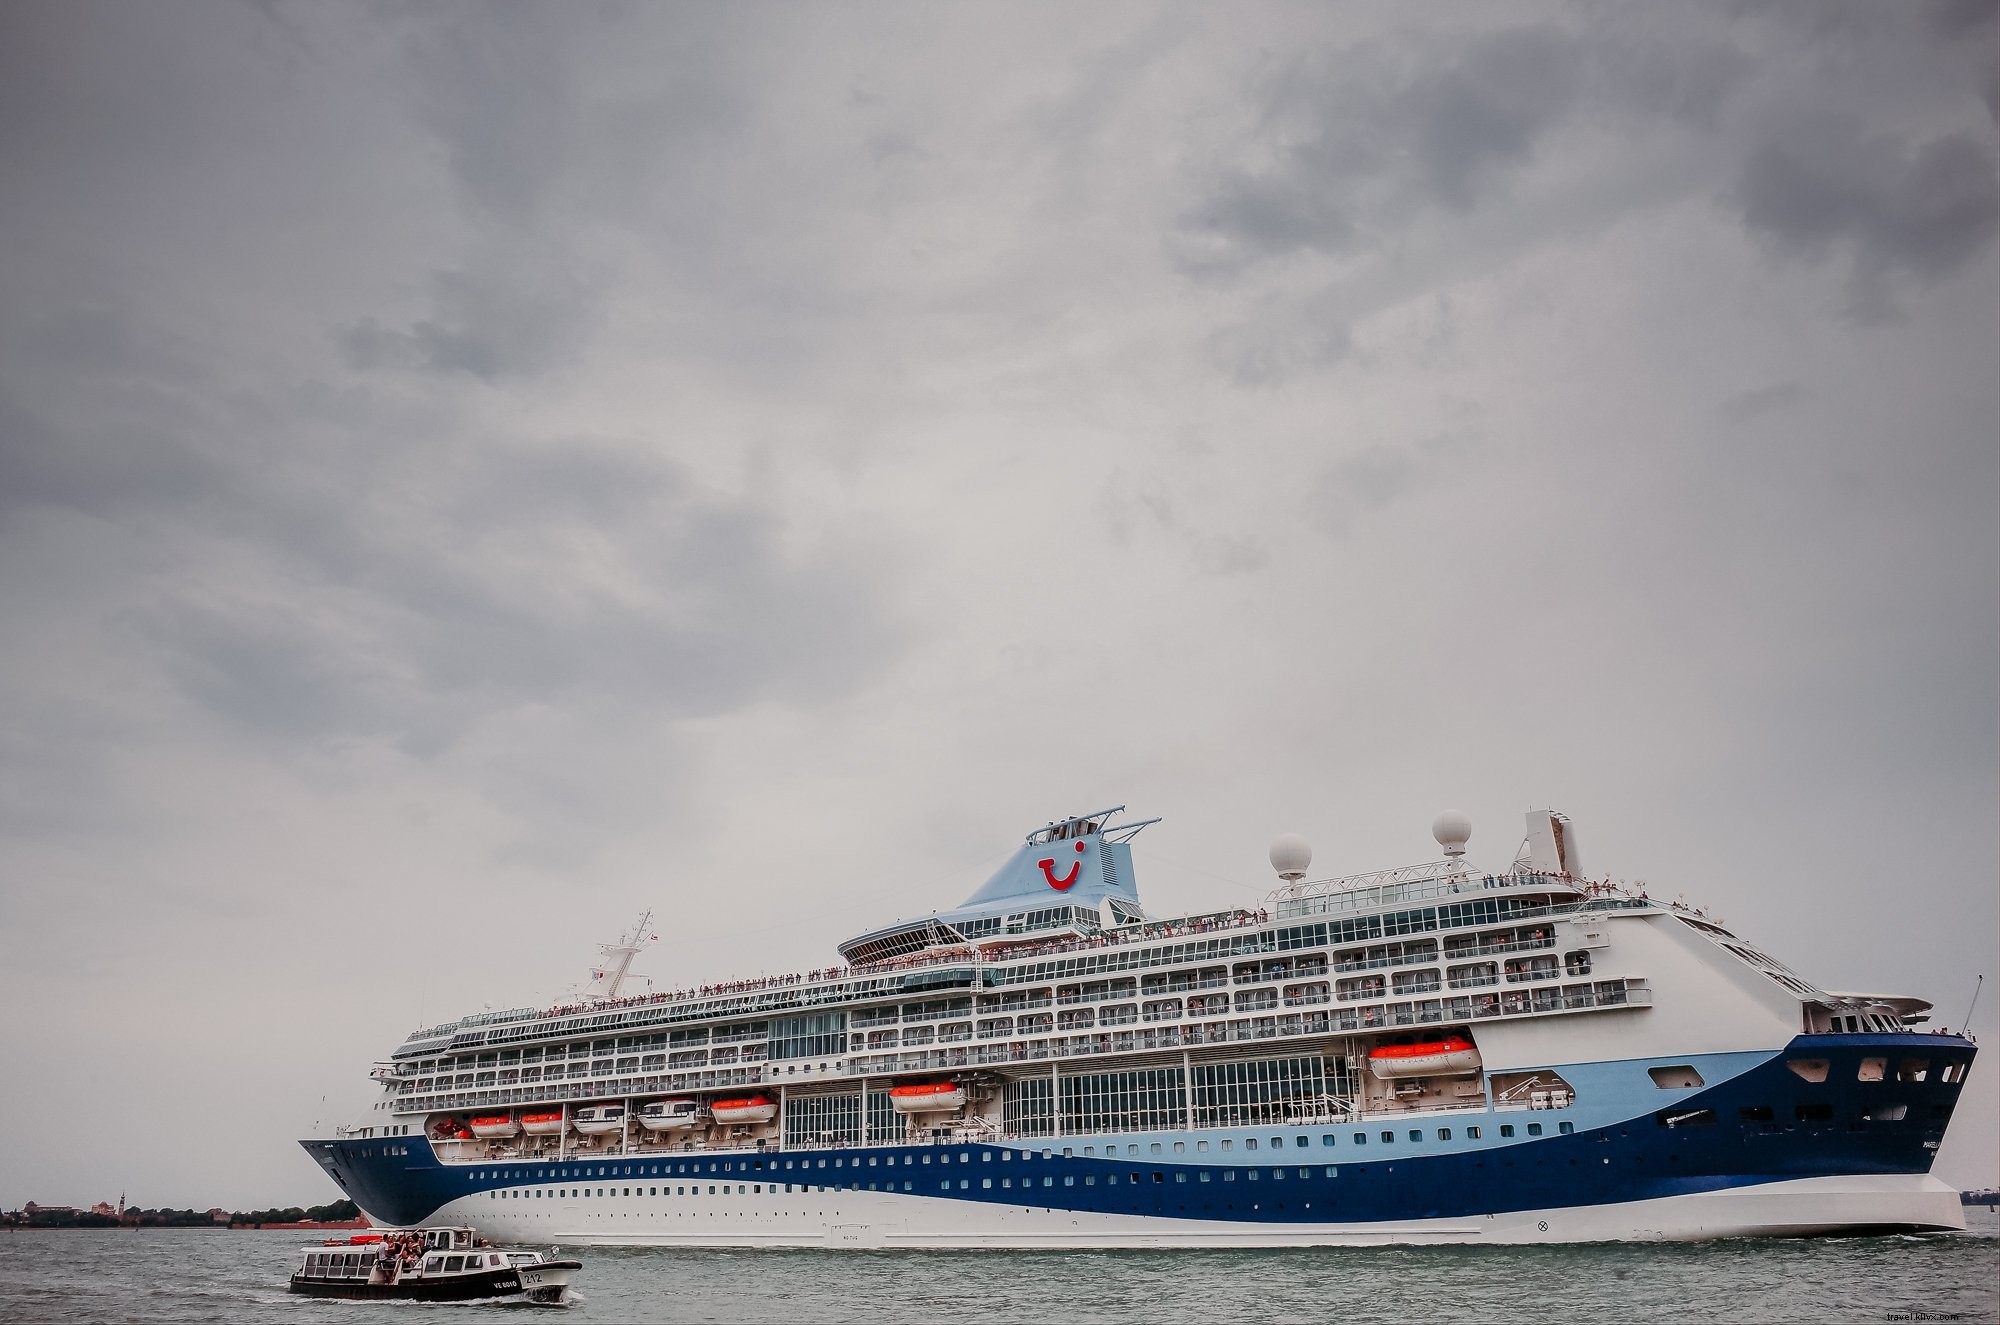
(927, 1097)
(754, 1109)
(1452, 1056)
(542, 1124)
(494, 1127)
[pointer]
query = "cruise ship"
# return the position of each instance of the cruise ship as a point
(1429, 1054)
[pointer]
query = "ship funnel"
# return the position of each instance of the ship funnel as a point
(1550, 847)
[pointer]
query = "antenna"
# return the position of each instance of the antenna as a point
(1965, 1027)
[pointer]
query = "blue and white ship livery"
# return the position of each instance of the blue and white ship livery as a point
(1429, 1054)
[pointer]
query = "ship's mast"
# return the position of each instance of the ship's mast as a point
(615, 960)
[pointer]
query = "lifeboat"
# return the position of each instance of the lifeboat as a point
(542, 1124)
(495, 1127)
(669, 1115)
(754, 1109)
(927, 1097)
(598, 1119)
(1452, 1056)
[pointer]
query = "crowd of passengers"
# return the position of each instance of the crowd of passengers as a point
(1110, 938)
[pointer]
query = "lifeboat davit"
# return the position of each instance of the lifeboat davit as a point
(927, 1097)
(1452, 1056)
(542, 1124)
(669, 1115)
(598, 1119)
(494, 1127)
(754, 1109)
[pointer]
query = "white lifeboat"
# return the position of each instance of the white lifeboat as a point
(752, 1109)
(494, 1127)
(1452, 1056)
(599, 1119)
(669, 1115)
(927, 1097)
(542, 1124)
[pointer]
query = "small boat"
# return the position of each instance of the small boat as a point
(496, 1127)
(669, 1115)
(927, 1097)
(542, 1124)
(598, 1119)
(754, 1109)
(444, 1264)
(1452, 1056)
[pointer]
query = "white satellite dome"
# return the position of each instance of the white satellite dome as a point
(1290, 855)
(1452, 830)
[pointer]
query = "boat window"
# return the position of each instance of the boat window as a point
(1444, 1134)
(1249, 1143)
(1809, 1069)
(1534, 1129)
(1506, 1129)
(1388, 1138)
(1678, 1077)
(1472, 1132)
(1326, 1140)
(1913, 1069)
(1416, 1134)
(1874, 1069)
(1361, 1138)
(453, 1263)
(1567, 1128)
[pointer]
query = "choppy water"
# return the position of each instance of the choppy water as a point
(203, 1275)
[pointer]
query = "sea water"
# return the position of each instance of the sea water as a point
(174, 1275)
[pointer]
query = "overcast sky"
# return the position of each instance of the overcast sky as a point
(469, 473)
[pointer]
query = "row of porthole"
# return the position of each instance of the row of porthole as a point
(1387, 1136)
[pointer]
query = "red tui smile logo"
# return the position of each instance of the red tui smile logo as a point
(1066, 881)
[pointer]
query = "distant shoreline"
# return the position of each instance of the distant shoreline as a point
(312, 1226)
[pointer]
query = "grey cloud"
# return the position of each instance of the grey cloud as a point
(1760, 401)
(1890, 208)
(1264, 350)
(1350, 144)
(412, 638)
(512, 319)
(1380, 476)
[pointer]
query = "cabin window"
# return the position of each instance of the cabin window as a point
(1680, 1076)
(1534, 1129)
(453, 1263)
(1913, 1069)
(1472, 1132)
(1326, 1140)
(1808, 1069)
(1873, 1069)
(1444, 1134)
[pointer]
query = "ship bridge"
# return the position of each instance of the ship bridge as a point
(1066, 878)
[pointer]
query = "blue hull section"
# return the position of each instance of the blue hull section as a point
(1765, 1124)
